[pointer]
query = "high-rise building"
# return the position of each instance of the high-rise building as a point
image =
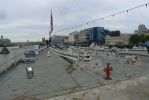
(84, 35)
(89, 35)
(98, 35)
(73, 37)
(142, 30)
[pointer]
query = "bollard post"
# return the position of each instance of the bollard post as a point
(108, 72)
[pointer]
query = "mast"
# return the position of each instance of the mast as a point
(51, 27)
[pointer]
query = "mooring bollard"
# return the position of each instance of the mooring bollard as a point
(108, 70)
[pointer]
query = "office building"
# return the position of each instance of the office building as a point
(123, 39)
(98, 34)
(73, 37)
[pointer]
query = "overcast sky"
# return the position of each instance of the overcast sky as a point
(22, 20)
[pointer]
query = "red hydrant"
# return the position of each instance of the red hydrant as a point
(108, 71)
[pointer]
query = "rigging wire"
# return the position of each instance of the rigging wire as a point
(64, 7)
(103, 18)
(67, 7)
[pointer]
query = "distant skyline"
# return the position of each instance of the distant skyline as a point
(22, 20)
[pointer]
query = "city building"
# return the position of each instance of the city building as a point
(88, 36)
(115, 33)
(66, 40)
(43, 40)
(59, 38)
(84, 36)
(142, 30)
(73, 37)
(123, 39)
(58, 41)
(98, 35)
(4, 41)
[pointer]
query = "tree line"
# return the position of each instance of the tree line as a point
(139, 39)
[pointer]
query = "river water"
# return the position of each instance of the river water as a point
(15, 54)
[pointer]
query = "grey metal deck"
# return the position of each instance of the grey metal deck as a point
(54, 76)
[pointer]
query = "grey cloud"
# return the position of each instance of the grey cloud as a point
(27, 19)
(3, 15)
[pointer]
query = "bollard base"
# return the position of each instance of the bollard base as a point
(108, 78)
